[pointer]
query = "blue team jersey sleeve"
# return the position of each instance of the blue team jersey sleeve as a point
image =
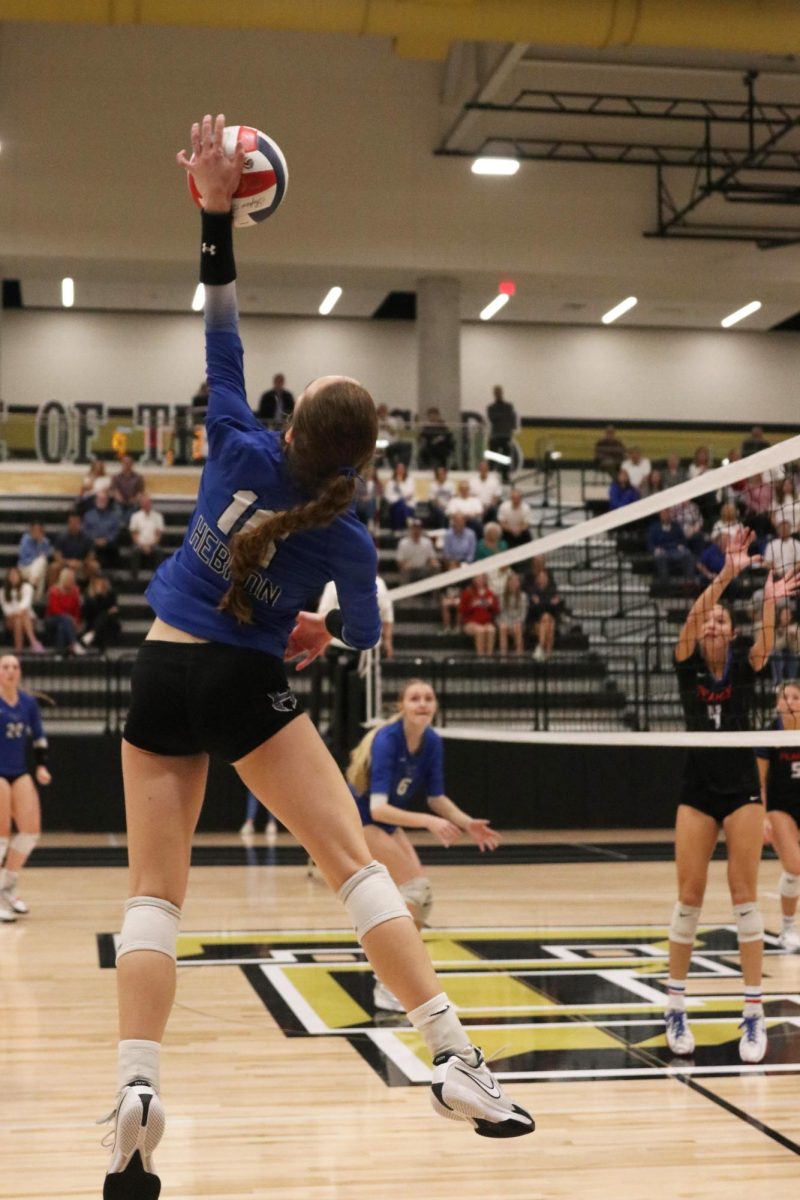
(353, 563)
(383, 765)
(434, 785)
(228, 411)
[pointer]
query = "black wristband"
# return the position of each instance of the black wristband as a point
(40, 756)
(216, 250)
(334, 623)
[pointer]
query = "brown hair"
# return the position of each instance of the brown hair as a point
(333, 428)
(361, 757)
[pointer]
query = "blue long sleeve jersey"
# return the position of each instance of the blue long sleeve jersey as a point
(400, 775)
(19, 723)
(244, 480)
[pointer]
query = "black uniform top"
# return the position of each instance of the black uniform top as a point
(783, 779)
(725, 703)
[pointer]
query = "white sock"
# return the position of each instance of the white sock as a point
(437, 1022)
(788, 922)
(753, 1006)
(139, 1059)
(676, 994)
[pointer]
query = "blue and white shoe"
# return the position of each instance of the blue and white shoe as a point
(680, 1038)
(461, 1091)
(139, 1125)
(753, 1044)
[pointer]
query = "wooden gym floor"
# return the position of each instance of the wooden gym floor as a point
(279, 1081)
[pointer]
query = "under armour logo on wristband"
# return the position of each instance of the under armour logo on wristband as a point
(208, 248)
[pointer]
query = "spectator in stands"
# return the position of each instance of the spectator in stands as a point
(492, 541)
(785, 657)
(63, 620)
(787, 506)
(514, 604)
(622, 491)
(700, 463)
(440, 494)
(515, 518)
(666, 543)
(200, 398)
(486, 485)
(367, 497)
(392, 448)
(94, 481)
(711, 559)
(435, 442)
(70, 548)
(416, 557)
(546, 606)
(758, 500)
(146, 528)
(502, 423)
(16, 600)
(100, 614)
(609, 451)
(399, 493)
(127, 486)
(732, 491)
(460, 544)
(637, 466)
(478, 608)
(690, 519)
(277, 403)
(673, 472)
(102, 525)
(652, 483)
(467, 506)
(330, 600)
(728, 524)
(34, 550)
(755, 442)
(783, 552)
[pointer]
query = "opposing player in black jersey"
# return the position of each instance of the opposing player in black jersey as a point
(779, 769)
(716, 677)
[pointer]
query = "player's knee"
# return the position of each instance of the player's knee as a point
(419, 893)
(789, 885)
(691, 892)
(371, 897)
(683, 926)
(24, 844)
(749, 923)
(149, 924)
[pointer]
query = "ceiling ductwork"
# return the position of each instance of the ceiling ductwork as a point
(427, 28)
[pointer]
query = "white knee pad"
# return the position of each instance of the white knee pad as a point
(371, 898)
(149, 924)
(23, 843)
(749, 922)
(419, 893)
(789, 885)
(684, 924)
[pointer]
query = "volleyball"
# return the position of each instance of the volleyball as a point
(264, 178)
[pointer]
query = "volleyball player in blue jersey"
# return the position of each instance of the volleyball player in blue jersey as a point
(273, 523)
(391, 767)
(20, 725)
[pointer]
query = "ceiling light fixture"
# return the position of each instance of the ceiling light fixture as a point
(619, 310)
(735, 317)
(67, 292)
(494, 306)
(330, 301)
(199, 298)
(495, 166)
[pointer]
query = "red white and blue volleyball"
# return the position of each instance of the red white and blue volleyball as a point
(264, 177)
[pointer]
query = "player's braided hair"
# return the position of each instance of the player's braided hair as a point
(333, 434)
(361, 757)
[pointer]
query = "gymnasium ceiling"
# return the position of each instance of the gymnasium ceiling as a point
(95, 98)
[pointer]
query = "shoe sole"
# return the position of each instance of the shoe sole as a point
(134, 1183)
(508, 1127)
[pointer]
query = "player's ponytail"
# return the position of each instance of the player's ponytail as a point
(358, 769)
(333, 438)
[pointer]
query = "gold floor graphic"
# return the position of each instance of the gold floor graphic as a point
(543, 1003)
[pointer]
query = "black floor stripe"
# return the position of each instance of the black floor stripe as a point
(735, 1111)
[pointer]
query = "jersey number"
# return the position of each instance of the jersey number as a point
(405, 784)
(16, 729)
(796, 770)
(715, 715)
(238, 506)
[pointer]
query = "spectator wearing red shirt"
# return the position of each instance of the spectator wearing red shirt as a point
(63, 614)
(478, 608)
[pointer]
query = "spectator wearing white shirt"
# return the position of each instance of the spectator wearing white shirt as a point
(416, 557)
(728, 524)
(783, 552)
(486, 485)
(16, 599)
(146, 528)
(440, 494)
(399, 493)
(637, 466)
(330, 600)
(468, 506)
(515, 519)
(787, 508)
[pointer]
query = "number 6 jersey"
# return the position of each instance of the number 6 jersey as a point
(244, 481)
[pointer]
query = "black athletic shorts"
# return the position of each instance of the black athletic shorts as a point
(14, 778)
(788, 806)
(195, 697)
(718, 805)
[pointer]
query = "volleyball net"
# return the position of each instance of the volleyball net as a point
(571, 635)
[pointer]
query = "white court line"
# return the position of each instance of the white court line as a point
(295, 1000)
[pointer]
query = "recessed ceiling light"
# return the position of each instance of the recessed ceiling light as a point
(330, 301)
(494, 306)
(495, 166)
(67, 292)
(199, 298)
(618, 310)
(735, 317)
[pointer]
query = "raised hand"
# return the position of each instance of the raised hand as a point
(776, 589)
(485, 837)
(216, 175)
(737, 558)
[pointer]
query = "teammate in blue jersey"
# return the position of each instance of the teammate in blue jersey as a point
(389, 769)
(779, 771)
(20, 725)
(716, 678)
(272, 525)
